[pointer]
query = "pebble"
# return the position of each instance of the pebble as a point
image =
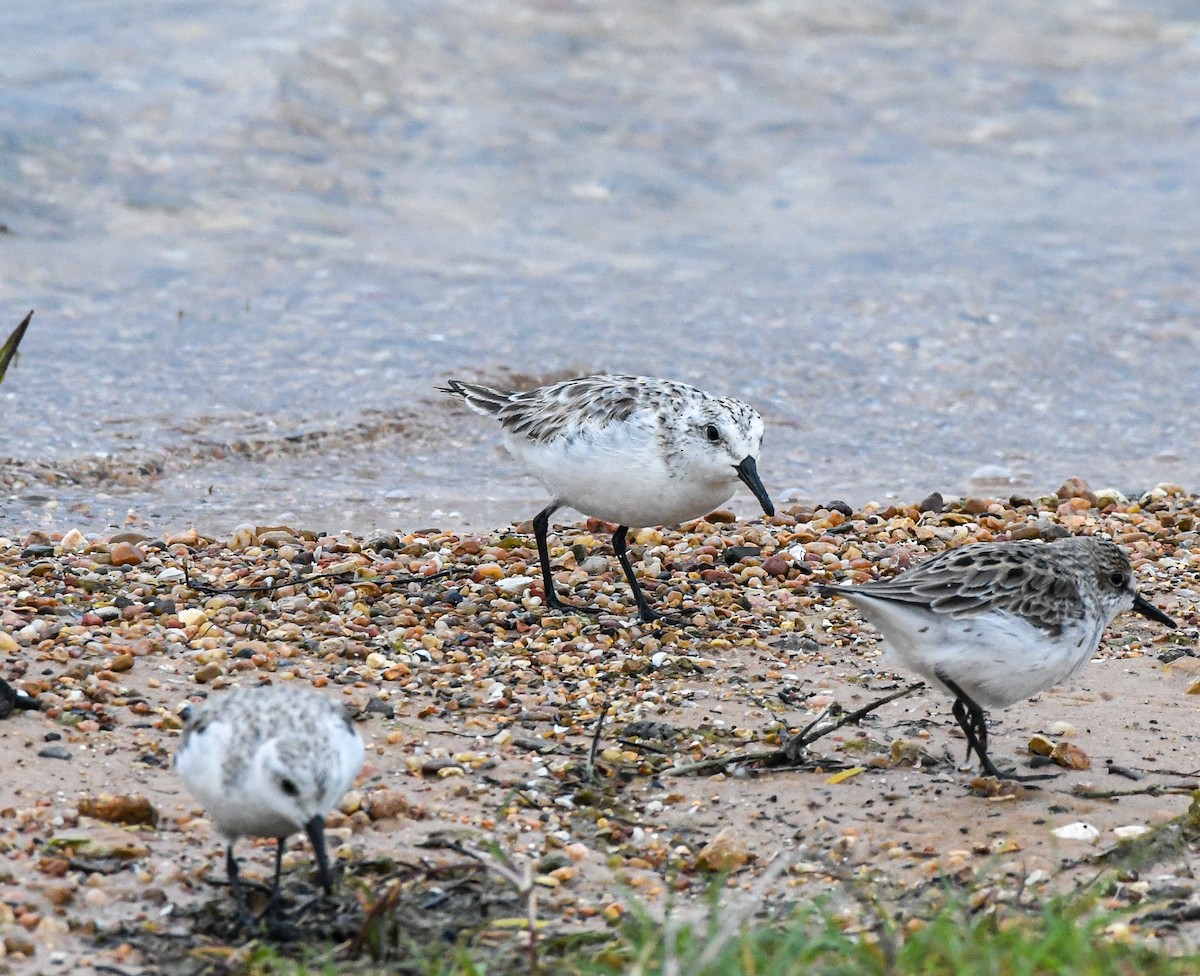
(1077, 831)
(126, 554)
(54, 752)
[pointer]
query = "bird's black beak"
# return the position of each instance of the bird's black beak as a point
(748, 472)
(315, 829)
(1147, 609)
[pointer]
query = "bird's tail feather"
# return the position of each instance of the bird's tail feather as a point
(481, 399)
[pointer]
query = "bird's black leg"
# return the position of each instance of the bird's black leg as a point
(273, 901)
(235, 885)
(541, 526)
(315, 829)
(973, 722)
(645, 611)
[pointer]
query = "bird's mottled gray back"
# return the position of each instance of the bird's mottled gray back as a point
(561, 409)
(1047, 584)
(296, 717)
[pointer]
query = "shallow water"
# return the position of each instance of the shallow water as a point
(939, 249)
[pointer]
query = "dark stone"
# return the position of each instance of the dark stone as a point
(735, 554)
(54, 752)
(37, 551)
(377, 706)
(160, 607)
(839, 506)
(934, 502)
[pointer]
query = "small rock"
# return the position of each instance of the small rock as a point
(160, 607)
(1077, 831)
(377, 706)
(122, 662)
(514, 584)
(594, 565)
(54, 752)
(190, 538)
(1131, 831)
(134, 537)
(192, 616)
(1075, 488)
(1070, 756)
(125, 554)
(208, 672)
(1039, 745)
(720, 517)
(387, 805)
(840, 506)
(735, 554)
(933, 502)
(725, 853)
(906, 752)
(777, 566)
(119, 809)
(74, 541)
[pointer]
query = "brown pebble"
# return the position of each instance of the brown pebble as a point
(189, 538)
(208, 672)
(726, 852)
(1070, 756)
(387, 805)
(126, 554)
(122, 662)
(776, 565)
(1075, 488)
(119, 809)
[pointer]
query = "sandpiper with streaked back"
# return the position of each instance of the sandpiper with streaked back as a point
(995, 623)
(269, 761)
(631, 450)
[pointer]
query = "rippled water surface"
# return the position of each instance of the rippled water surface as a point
(939, 248)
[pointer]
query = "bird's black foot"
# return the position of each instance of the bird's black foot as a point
(554, 605)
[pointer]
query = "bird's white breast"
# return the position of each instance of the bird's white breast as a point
(997, 658)
(619, 473)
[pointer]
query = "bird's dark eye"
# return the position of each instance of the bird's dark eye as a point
(712, 433)
(288, 787)
(1117, 579)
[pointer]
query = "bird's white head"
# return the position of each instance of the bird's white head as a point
(293, 785)
(717, 440)
(1115, 582)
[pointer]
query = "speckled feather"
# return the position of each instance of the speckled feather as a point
(574, 406)
(1047, 585)
(293, 730)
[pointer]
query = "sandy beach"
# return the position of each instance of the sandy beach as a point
(480, 714)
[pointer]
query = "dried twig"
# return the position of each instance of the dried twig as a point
(789, 752)
(522, 880)
(590, 769)
(1154, 789)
